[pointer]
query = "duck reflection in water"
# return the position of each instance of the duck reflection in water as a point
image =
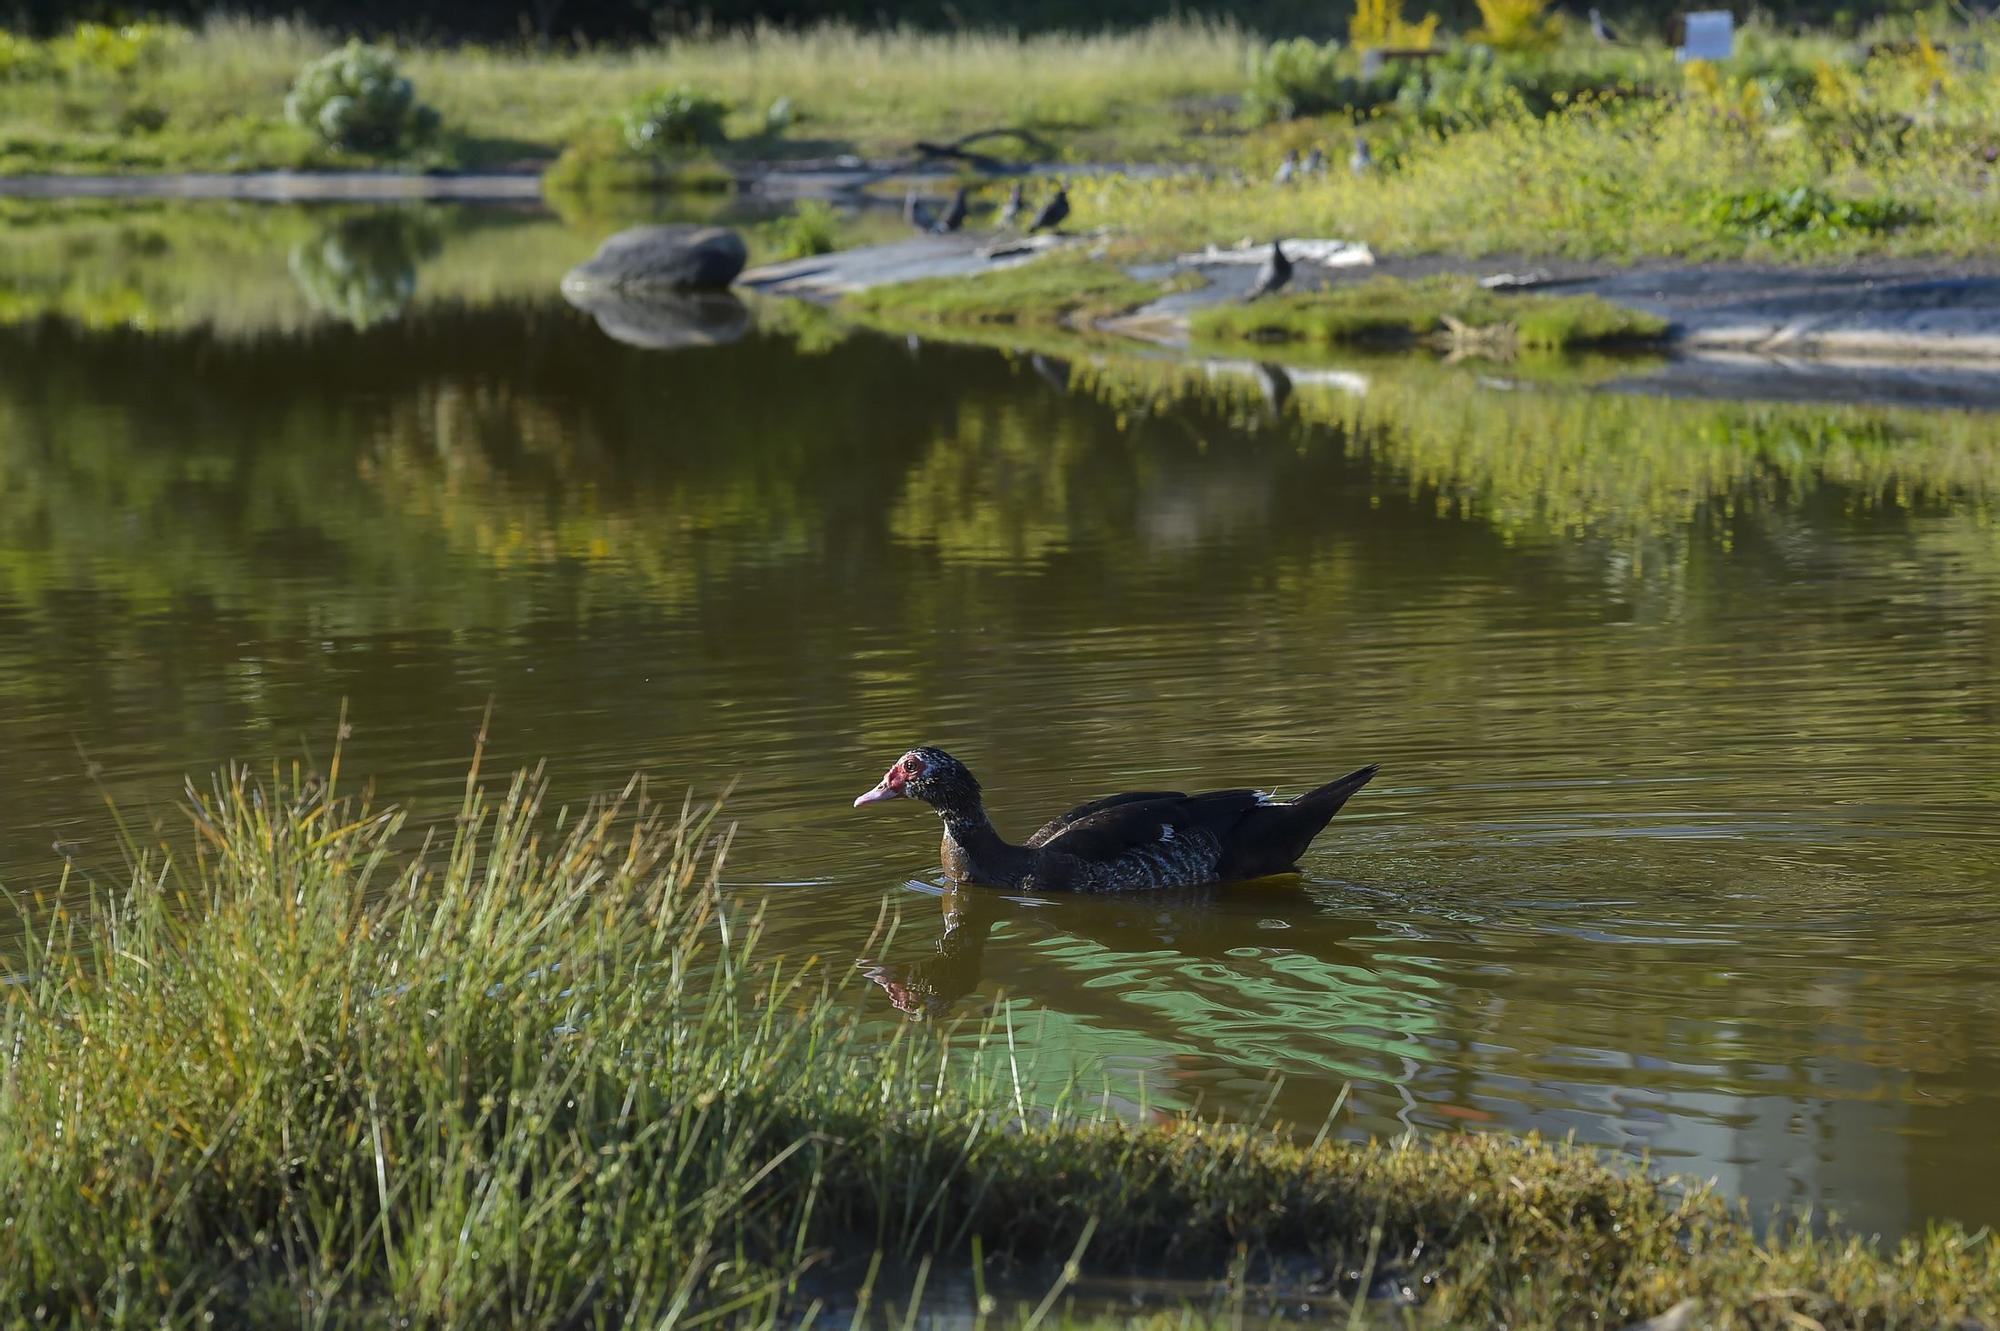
(1205, 923)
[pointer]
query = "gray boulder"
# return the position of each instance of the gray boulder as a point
(680, 257)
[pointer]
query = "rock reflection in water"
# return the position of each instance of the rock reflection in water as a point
(663, 321)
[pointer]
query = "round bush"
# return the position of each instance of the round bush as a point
(674, 118)
(356, 98)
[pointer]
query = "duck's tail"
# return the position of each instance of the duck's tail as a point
(1333, 794)
(1272, 837)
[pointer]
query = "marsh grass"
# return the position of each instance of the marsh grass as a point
(531, 1068)
(1443, 309)
(1579, 150)
(1608, 179)
(215, 97)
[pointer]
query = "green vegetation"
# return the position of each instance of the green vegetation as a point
(1048, 292)
(1805, 213)
(1800, 146)
(213, 96)
(600, 165)
(811, 228)
(538, 1072)
(673, 119)
(1442, 310)
(357, 100)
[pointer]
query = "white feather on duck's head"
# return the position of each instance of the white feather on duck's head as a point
(927, 774)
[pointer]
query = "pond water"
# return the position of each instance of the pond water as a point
(1689, 712)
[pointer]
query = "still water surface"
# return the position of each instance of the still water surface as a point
(1688, 712)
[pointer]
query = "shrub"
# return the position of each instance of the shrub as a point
(355, 98)
(105, 51)
(674, 118)
(1518, 25)
(599, 162)
(811, 228)
(21, 57)
(1804, 212)
(1468, 85)
(1381, 23)
(1297, 77)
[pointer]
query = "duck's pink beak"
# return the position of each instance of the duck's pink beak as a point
(882, 791)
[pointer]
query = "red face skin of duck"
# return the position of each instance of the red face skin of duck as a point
(907, 769)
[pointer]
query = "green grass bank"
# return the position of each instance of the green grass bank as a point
(533, 1070)
(155, 97)
(1524, 136)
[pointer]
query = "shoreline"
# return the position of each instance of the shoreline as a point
(1941, 310)
(1935, 310)
(284, 186)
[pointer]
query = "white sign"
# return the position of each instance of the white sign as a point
(1710, 35)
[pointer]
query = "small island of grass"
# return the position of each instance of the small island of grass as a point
(1057, 292)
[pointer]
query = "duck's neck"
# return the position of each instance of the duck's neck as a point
(987, 856)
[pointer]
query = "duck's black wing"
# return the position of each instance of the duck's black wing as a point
(1083, 811)
(1128, 822)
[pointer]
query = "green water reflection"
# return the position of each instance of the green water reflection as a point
(1689, 711)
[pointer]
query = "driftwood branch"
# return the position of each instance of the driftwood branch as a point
(960, 149)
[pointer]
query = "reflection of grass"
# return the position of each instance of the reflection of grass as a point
(248, 269)
(1546, 460)
(1056, 291)
(1388, 310)
(510, 1081)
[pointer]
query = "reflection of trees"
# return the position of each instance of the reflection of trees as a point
(1541, 459)
(452, 457)
(362, 269)
(246, 271)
